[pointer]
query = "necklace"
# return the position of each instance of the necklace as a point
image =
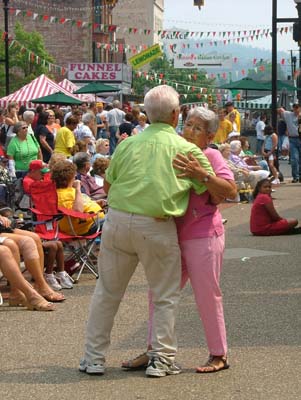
(24, 157)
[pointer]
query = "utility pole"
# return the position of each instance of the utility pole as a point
(6, 59)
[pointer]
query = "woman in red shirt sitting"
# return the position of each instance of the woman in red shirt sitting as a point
(265, 221)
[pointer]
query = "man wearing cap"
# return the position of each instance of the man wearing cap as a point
(292, 121)
(38, 171)
(230, 109)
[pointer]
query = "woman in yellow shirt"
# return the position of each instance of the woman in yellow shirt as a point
(70, 196)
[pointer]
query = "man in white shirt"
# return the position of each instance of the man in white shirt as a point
(259, 133)
(115, 118)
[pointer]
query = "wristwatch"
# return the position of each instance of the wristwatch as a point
(206, 179)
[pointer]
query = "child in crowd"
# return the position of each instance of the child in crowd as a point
(265, 221)
(102, 147)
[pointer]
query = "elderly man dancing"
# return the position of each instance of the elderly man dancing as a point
(144, 194)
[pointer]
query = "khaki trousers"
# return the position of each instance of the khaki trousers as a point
(126, 240)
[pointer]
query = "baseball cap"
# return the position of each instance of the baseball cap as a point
(228, 104)
(99, 104)
(232, 134)
(38, 165)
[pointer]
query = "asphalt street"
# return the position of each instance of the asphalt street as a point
(261, 282)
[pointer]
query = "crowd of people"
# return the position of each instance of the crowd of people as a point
(191, 159)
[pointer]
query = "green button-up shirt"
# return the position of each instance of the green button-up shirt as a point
(142, 178)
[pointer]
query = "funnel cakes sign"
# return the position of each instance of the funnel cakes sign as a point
(110, 72)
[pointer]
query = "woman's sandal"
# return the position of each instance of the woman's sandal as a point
(17, 301)
(53, 297)
(214, 364)
(40, 304)
(137, 363)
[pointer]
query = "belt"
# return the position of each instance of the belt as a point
(293, 137)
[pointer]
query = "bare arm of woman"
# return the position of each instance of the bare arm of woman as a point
(218, 188)
(271, 210)
(274, 142)
(44, 144)
(78, 204)
(106, 186)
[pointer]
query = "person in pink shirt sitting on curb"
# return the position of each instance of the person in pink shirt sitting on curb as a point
(201, 237)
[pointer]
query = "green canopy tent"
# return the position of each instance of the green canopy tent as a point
(96, 87)
(57, 98)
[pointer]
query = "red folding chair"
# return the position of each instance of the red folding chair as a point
(48, 214)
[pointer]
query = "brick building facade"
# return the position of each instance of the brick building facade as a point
(66, 42)
(140, 14)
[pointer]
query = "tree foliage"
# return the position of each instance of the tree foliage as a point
(23, 65)
(162, 71)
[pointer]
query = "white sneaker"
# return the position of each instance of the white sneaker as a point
(52, 282)
(158, 367)
(91, 369)
(64, 279)
(275, 182)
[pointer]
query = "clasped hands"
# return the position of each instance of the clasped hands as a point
(189, 167)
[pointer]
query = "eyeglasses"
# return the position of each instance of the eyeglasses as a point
(24, 127)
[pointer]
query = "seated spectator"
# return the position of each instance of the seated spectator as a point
(99, 170)
(5, 179)
(88, 185)
(255, 171)
(70, 196)
(142, 123)
(102, 148)
(248, 156)
(30, 246)
(242, 176)
(55, 158)
(38, 171)
(54, 257)
(81, 145)
(21, 292)
(264, 220)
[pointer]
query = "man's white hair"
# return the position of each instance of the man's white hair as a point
(160, 102)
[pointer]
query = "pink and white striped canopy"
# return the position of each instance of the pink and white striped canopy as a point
(41, 86)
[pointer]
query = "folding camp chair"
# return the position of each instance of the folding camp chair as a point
(48, 214)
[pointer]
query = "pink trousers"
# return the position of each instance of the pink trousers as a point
(202, 264)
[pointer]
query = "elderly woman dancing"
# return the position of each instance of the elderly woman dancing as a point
(201, 238)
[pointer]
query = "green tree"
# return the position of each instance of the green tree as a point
(23, 69)
(162, 71)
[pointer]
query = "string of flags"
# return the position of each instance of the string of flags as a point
(34, 58)
(225, 37)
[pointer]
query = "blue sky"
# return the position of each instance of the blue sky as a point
(229, 15)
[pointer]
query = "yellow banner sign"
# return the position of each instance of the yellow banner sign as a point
(146, 56)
